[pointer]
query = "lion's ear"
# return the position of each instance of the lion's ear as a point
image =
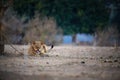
(42, 43)
(33, 42)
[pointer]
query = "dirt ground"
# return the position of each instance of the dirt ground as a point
(64, 62)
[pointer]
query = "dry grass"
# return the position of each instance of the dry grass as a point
(65, 62)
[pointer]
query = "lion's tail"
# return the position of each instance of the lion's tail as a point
(50, 48)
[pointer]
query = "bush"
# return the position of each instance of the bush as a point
(41, 28)
(107, 37)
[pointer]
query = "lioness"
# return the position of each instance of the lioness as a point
(38, 47)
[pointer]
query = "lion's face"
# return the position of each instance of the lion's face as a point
(37, 47)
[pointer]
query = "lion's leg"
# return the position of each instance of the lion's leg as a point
(44, 49)
(31, 51)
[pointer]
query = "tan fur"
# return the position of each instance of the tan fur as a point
(33, 48)
(37, 47)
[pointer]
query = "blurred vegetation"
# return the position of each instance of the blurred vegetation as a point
(98, 17)
(73, 16)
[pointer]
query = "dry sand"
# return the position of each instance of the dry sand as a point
(64, 62)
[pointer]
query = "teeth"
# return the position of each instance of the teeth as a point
(37, 52)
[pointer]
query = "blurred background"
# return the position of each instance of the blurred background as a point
(79, 22)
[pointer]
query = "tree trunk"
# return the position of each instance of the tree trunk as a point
(3, 8)
(2, 39)
(1, 49)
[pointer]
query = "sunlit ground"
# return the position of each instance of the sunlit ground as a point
(64, 62)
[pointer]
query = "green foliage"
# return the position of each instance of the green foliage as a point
(72, 16)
